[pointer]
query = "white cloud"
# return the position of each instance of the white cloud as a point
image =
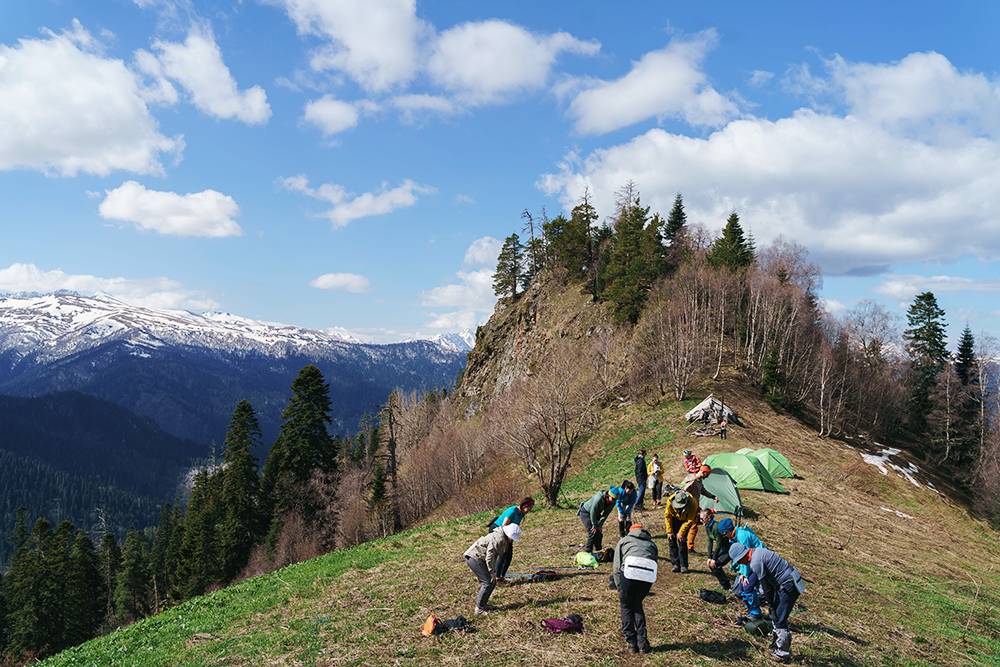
(833, 306)
(347, 282)
(67, 109)
(331, 115)
(410, 106)
(906, 287)
(159, 90)
(760, 77)
(375, 42)
(151, 292)
(861, 189)
(483, 252)
(488, 61)
(205, 213)
(664, 83)
(348, 207)
(197, 65)
(469, 300)
(464, 199)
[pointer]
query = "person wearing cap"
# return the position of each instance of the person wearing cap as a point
(680, 514)
(655, 470)
(484, 556)
(625, 498)
(694, 485)
(691, 462)
(641, 478)
(635, 557)
(781, 584)
(593, 513)
(512, 514)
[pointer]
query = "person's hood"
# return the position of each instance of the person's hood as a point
(640, 533)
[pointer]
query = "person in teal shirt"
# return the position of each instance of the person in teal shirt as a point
(625, 502)
(512, 515)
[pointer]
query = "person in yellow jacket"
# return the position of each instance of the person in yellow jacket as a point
(680, 517)
(654, 471)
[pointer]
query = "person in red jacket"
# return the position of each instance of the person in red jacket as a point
(691, 464)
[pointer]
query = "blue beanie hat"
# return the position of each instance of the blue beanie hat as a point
(737, 551)
(725, 526)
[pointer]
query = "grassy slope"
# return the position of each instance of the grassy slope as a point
(882, 589)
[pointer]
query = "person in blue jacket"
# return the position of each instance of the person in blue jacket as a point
(728, 531)
(511, 515)
(781, 584)
(625, 497)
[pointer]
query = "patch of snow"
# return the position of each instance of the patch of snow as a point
(901, 515)
(883, 461)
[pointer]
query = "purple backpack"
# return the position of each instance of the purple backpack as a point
(570, 624)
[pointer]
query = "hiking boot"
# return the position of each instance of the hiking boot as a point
(692, 550)
(684, 570)
(632, 648)
(675, 568)
(783, 659)
(481, 612)
(645, 648)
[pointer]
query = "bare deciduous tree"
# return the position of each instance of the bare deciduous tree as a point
(544, 417)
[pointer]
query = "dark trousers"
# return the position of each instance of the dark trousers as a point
(504, 563)
(781, 603)
(595, 539)
(657, 491)
(623, 526)
(678, 545)
(723, 577)
(486, 584)
(722, 434)
(642, 493)
(630, 596)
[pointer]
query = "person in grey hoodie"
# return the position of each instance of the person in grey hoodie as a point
(483, 558)
(781, 584)
(635, 556)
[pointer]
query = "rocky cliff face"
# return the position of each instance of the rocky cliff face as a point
(520, 332)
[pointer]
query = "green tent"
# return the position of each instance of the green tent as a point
(720, 484)
(775, 462)
(746, 471)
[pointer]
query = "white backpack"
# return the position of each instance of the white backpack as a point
(638, 568)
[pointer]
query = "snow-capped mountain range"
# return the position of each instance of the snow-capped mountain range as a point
(186, 371)
(56, 325)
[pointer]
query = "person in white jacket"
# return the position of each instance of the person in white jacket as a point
(485, 555)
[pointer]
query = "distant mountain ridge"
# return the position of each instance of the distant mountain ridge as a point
(186, 371)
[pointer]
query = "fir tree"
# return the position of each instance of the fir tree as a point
(132, 584)
(304, 448)
(925, 344)
(240, 491)
(83, 591)
(733, 250)
(510, 263)
(627, 274)
(198, 563)
(965, 359)
(158, 564)
(3, 615)
(109, 560)
(773, 380)
(31, 614)
(675, 228)
(56, 558)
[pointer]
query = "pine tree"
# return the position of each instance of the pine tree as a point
(733, 250)
(31, 609)
(968, 415)
(56, 558)
(158, 564)
(925, 344)
(20, 534)
(510, 263)
(304, 448)
(174, 548)
(109, 561)
(534, 249)
(773, 380)
(240, 491)
(83, 591)
(132, 584)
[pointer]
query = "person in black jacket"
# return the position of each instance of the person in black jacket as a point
(718, 549)
(641, 477)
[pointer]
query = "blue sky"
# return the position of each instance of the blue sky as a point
(330, 163)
